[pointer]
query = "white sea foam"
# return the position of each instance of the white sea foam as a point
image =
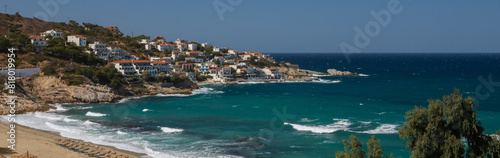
(94, 114)
(383, 129)
(308, 120)
(365, 122)
(145, 110)
(69, 120)
(326, 81)
(342, 124)
(363, 75)
(59, 107)
(171, 130)
(206, 91)
(48, 116)
(316, 75)
(90, 123)
(84, 108)
(252, 82)
(121, 133)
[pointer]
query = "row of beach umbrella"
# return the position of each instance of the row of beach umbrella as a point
(89, 149)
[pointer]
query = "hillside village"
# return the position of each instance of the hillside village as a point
(197, 61)
(71, 62)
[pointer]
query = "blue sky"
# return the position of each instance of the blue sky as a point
(291, 25)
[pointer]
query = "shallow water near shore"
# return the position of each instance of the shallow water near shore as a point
(291, 119)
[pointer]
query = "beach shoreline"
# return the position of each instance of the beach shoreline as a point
(43, 144)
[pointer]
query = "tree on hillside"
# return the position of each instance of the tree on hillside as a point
(436, 131)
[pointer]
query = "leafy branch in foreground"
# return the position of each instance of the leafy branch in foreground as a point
(352, 149)
(436, 131)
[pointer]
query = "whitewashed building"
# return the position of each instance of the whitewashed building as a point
(148, 46)
(165, 47)
(144, 41)
(52, 33)
(78, 40)
(39, 42)
(206, 45)
(192, 46)
(136, 67)
(182, 46)
(217, 49)
(99, 49)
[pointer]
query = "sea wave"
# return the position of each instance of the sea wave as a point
(59, 107)
(89, 123)
(383, 129)
(363, 75)
(171, 130)
(342, 124)
(308, 120)
(326, 81)
(145, 110)
(95, 114)
(121, 133)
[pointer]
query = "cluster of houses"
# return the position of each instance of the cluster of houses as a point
(185, 58)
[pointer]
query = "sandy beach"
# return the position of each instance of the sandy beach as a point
(42, 143)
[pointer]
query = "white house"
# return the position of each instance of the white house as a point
(192, 46)
(182, 46)
(165, 47)
(206, 45)
(137, 67)
(179, 41)
(198, 60)
(148, 46)
(242, 64)
(99, 49)
(232, 51)
(217, 49)
(144, 41)
(225, 72)
(177, 55)
(193, 53)
(52, 33)
(162, 66)
(117, 54)
(39, 42)
(79, 40)
(165, 59)
(272, 73)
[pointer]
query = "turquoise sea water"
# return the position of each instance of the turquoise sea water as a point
(285, 119)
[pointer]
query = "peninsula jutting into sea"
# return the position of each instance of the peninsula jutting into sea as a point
(177, 79)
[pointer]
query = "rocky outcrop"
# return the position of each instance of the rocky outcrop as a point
(335, 72)
(39, 91)
(54, 90)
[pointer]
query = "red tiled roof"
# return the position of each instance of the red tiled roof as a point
(220, 57)
(37, 36)
(193, 52)
(159, 62)
(112, 28)
(226, 68)
(186, 64)
(183, 44)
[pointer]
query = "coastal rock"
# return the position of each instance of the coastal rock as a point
(335, 72)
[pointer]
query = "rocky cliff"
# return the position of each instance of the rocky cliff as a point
(39, 91)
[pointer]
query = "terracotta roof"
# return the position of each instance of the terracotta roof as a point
(272, 69)
(112, 28)
(193, 52)
(243, 69)
(37, 36)
(183, 44)
(186, 64)
(159, 62)
(192, 43)
(220, 57)
(226, 68)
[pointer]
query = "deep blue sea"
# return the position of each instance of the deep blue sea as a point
(298, 119)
